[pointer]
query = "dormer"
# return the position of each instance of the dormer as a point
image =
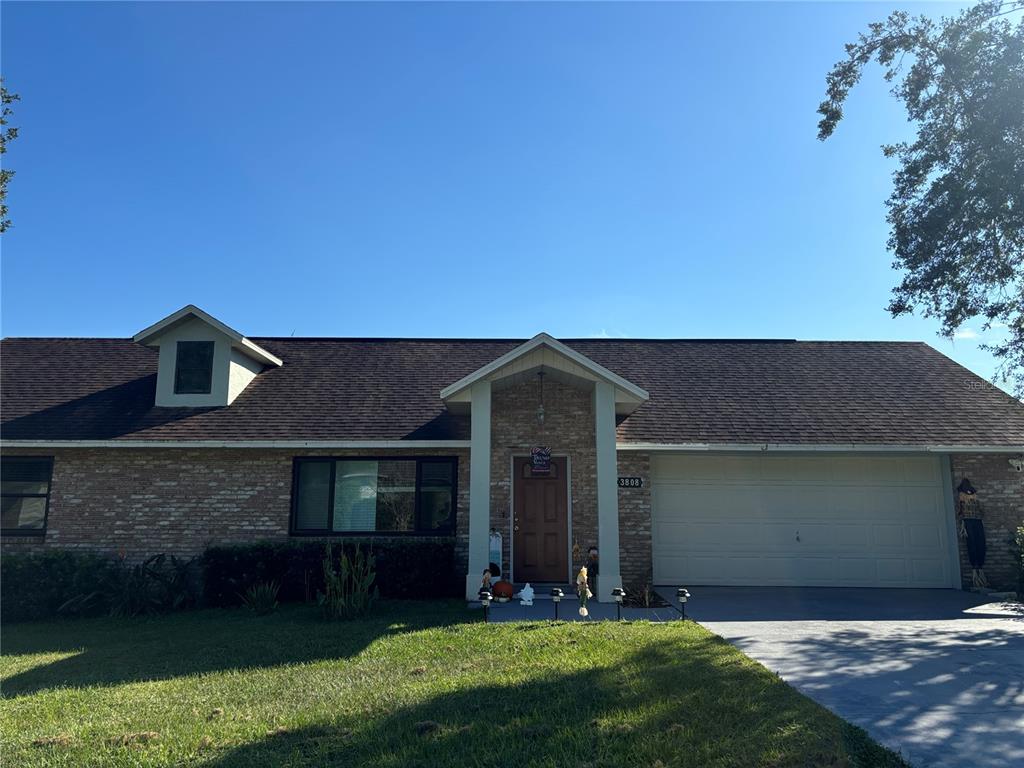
(203, 362)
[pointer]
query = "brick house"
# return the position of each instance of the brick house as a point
(682, 461)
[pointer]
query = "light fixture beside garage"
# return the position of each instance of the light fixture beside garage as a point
(683, 596)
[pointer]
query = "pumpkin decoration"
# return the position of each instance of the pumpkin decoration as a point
(502, 591)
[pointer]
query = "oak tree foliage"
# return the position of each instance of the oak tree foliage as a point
(956, 212)
(7, 133)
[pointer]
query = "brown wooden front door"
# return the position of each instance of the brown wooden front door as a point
(540, 524)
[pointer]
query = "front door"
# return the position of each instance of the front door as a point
(540, 525)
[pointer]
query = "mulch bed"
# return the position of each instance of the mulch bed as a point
(640, 599)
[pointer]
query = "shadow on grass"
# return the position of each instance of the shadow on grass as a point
(114, 651)
(693, 704)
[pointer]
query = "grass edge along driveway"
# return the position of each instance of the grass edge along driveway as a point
(414, 684)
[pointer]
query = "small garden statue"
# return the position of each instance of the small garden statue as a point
(526, 595)
(583, 591)
(485, 582)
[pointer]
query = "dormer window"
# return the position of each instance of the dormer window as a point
(203, 363)
(193, 368)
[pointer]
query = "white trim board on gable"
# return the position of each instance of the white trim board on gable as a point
(559, 356)
(148, 336)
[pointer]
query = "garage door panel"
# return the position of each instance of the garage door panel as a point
(926, 572)
(809, 570)
(847, 504)
(807, 501)
(702, 534)
(670, 567)
(885, 537)
(884, 503)
(855, 536)
(814, 535)
(893, 570)
(789, 469)
(857, 570)
(921, 471)
(883, 471)
(828, 521)
(924, 537)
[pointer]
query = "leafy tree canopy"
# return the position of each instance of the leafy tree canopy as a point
(7, 133)
(956, 211)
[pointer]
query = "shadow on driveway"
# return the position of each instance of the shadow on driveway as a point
(935, 674)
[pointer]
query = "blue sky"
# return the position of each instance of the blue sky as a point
(449, 170)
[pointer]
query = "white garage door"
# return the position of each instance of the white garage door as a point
(800, 521)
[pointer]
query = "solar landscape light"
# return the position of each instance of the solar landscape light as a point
(619, 594)
(556, 597)
(485, 600)
(682, 595)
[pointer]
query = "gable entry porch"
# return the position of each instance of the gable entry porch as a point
(543, 394)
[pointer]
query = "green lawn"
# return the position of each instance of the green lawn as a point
(417, 684)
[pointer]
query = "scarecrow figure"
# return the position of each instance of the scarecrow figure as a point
(583, 591)
(485, 581)
(592, 569)
(973, 530)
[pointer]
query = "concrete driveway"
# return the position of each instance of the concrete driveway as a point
(937, 675)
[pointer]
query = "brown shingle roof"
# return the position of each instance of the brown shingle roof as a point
(387, 389)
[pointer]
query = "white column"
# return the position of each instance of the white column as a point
(609, 576)
(479, 485)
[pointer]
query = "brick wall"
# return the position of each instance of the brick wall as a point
(1001, 493)
(635, 520)
(145, 501)
(568, 430)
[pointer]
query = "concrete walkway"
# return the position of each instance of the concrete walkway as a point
(937, 675)
(543, 609)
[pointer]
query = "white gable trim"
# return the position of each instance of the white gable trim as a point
(543, 339)
(148, 335)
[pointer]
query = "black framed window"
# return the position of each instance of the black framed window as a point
(24, 494)
(341, 496)
(193, 368)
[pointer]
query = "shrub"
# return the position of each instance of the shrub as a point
(33, 585)
(261, 598)
(349, 591)
(40, 585)
(156, 585)
(406, 569)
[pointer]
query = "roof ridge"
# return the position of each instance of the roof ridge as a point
(502, 340)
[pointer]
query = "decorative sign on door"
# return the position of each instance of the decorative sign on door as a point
(540, 460)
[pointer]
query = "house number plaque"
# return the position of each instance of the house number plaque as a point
(631, 482)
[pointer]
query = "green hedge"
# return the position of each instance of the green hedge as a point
(406, 569)
(33, 585)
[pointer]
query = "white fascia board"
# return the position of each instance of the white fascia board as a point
(255, 351)
(544, 339)
(358, 444)
(822, 447)
(259, 353)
